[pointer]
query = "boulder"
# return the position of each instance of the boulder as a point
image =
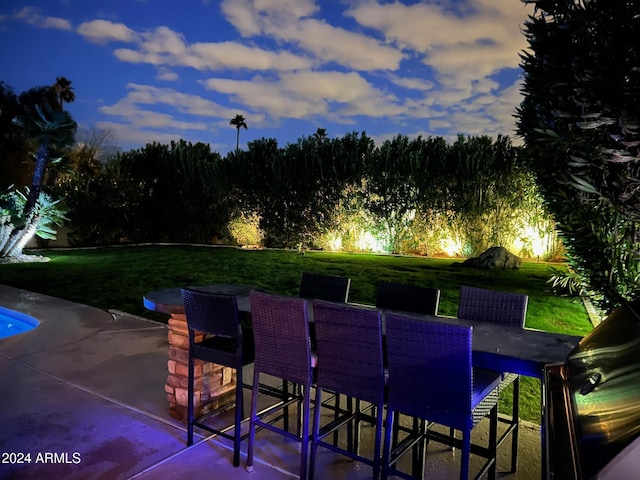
(495, 257)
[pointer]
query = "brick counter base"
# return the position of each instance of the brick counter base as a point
(214, 384)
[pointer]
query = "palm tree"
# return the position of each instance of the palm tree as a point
(63, 91)
(321, 135)
(238, 121)
(50, 129)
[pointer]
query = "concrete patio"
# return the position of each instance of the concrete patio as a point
(87, 388)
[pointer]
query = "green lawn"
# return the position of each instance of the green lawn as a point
(118, 277)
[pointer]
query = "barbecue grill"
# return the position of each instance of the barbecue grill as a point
(592, 403)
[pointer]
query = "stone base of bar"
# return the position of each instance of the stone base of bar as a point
(214, 384)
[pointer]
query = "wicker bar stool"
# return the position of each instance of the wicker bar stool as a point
(504, 308)
(282, 350)
(412, 299)
(331, 288)
(350, 361)
(224, 343)
(431, 377)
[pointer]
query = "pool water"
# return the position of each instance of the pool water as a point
(14, 323)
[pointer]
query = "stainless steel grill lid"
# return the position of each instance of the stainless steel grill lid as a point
(603, 374)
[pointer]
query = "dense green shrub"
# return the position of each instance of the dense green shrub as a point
(159, 193)
(580, 119)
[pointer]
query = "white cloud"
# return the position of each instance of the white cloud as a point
(140, 118)
(309, 94)
(290, 21)
(412, 83)
(503, 109)
(460, 64)
(296, 8)
(268, 97)
(182, 102)
(332, 44)
(465, 44)
(242, 16)
(163, 46)
(482, 39)
(31, 16)
(246, 15)
(104, 31)
(163, 40)
(235, 55)
(439, 124)
(167, 74)
(329, 86)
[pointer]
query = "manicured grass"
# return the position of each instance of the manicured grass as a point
(118, 277)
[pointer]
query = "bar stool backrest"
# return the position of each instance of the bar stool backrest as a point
(212, 313)
(407, 298)
(281, 336)
(503, 308)
(349, 347)
(430, 370)
(319, 286)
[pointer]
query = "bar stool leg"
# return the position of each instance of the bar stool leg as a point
(252, 425)
(239, 414)
(314, 433)
(190, 406)
(516, 418)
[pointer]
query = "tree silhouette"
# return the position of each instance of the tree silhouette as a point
(238, 121)
(320, 136)
(63, 91)
(50, 130)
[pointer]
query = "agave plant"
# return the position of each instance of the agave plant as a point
(9, 217)
(47, 214)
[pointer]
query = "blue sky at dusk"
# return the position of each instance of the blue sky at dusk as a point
(161, 70)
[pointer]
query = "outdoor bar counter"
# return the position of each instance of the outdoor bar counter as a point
(213, 382)
(495, 347)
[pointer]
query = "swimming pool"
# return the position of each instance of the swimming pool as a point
(14, 323)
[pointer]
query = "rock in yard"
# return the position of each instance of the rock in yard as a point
(495, 257)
